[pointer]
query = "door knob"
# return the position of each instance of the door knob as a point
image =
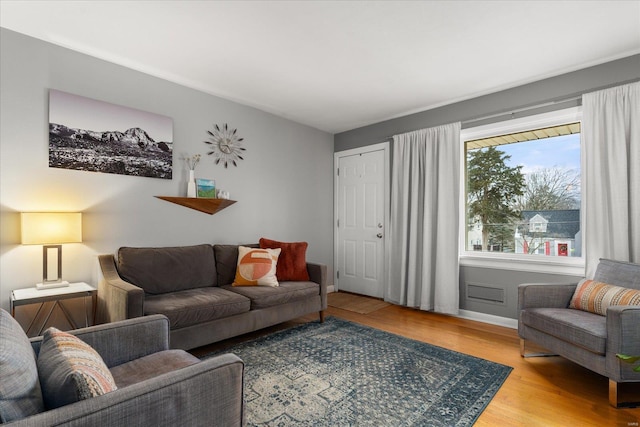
(379, 235)
(379, 225)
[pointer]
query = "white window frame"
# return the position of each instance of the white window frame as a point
(509, 261)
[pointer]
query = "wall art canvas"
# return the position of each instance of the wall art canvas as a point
(90, 135)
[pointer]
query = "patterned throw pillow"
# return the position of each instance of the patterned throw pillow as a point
(256, 267)
(70, 370)
(292, 262)
(596, 297)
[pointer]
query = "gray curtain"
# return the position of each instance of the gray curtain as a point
(423, 265)
(611, 171)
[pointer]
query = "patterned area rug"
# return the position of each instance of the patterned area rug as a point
(339, 373)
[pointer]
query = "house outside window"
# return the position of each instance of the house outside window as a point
(522, 190)
(550, 232)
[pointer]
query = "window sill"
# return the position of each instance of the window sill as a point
(532, 263)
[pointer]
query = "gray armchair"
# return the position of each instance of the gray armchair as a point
(156, 386)
(588, 339)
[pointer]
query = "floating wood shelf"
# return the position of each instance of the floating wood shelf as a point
(208, 206)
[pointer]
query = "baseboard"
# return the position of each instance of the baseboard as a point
(331, 288)
(488, 318)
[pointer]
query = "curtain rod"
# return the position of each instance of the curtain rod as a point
(510, 114)
(575, 97)
(513, 112)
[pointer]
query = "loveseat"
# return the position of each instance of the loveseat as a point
(192, 286)
(580, 334)
(156, 386)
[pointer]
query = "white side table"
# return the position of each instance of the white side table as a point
(35, 296)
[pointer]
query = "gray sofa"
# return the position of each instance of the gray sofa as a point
(588, 339)
(156, 386)
(191, 285)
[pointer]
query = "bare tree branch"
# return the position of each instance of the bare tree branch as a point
(550, 189)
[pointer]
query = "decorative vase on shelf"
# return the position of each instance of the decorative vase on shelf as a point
(191, 184)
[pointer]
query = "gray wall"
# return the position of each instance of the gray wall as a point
(283, 189)
(491, 281)
(550, 92)
(541, 92)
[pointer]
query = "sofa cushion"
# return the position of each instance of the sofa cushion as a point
(151, 366)
(70, 370)
(618, 273)
(292, 262)
(227, 262)
(193, 306)
(162, 270)
(20, 394)
(586, 330)
(596, 297)
(256, 267)
(264, 296)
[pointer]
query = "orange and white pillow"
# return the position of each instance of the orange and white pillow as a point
(256, 267)
(596, 297)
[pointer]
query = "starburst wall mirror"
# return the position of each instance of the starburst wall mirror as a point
(226, 146)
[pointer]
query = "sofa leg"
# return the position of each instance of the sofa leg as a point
(613, 397)
(322, 316)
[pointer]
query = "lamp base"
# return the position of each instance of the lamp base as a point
(51, 285)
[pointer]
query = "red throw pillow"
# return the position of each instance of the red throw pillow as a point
(292, 262)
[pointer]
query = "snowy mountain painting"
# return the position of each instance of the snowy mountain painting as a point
(90, 135)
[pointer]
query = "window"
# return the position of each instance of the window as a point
(522, 187)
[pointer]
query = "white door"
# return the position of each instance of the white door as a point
(360, 222)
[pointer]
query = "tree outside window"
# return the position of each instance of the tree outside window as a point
(492, 190)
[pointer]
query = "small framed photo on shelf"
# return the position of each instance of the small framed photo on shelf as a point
(205, 188)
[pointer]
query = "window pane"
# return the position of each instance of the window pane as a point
(524, 197)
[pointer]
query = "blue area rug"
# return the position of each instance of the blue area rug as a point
(339, 373)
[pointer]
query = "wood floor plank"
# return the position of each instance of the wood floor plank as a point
(540, 391)
(351, 302)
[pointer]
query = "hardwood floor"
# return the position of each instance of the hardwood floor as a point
(540, 391)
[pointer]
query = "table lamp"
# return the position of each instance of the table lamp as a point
(51, 229)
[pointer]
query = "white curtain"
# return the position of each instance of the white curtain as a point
(423, 265)
(611, 171)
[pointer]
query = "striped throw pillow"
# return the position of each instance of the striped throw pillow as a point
(596, 297)
(70, 370)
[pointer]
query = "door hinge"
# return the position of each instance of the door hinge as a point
(338, 171)
(338, 223)
(337, 274)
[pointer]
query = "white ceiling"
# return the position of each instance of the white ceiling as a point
(339, 65)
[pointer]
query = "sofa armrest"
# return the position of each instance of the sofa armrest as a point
(123, 341)
(318, 274)
(208, 393)
(623, 336)
(117, 299)
(545, 295)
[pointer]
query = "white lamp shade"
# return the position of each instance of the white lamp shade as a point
(42, 228)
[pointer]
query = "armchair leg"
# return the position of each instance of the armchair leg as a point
(322, 316)
(613, 397)
(523, 351)
(613, 393)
